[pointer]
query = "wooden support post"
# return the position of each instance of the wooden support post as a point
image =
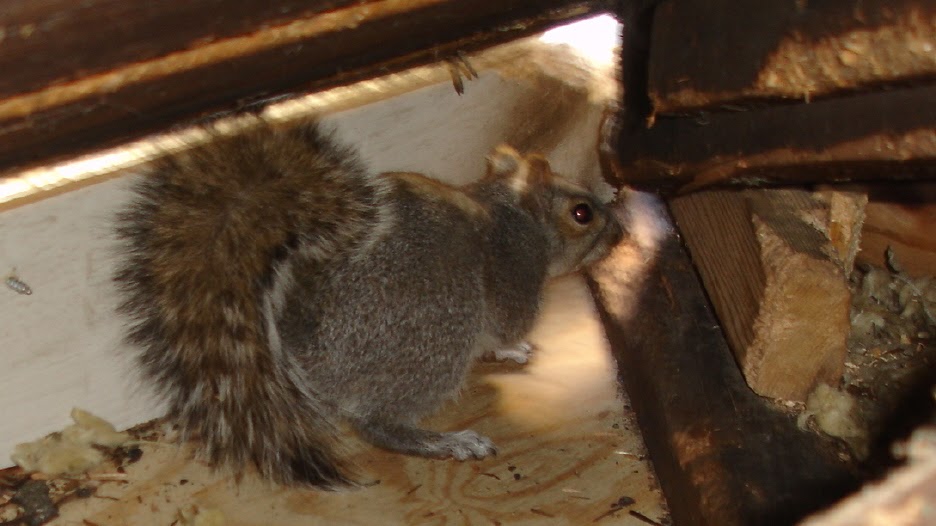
(776, 281)
(724, 455)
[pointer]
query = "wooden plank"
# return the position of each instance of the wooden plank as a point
(69, 96)
(790, 92)
(887, 135)
(637, 20)
(846, 220)
(901, 218)
(724, 455)
(569, 453)
(776, 283)
(48, 42)
(709, 53)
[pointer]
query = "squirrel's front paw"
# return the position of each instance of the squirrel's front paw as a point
(519, 353)
(462, 445)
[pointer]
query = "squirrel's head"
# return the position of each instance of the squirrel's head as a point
(581, 229)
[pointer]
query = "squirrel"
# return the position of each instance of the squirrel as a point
(275, 290)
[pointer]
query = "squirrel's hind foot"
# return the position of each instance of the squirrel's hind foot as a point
(460, 445)
(519, 353)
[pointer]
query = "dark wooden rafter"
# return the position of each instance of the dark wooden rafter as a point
(708, 54)
(82, 75)
(724, 456)
(789, 92)
(889, 134)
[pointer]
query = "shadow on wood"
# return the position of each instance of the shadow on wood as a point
(102, 73)
(724, 456)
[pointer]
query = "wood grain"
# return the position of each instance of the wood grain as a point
(568, 451)
(62, 344)
(779, 292)
(148, 66)
(791, 92)
(886, 135)
(785, 50)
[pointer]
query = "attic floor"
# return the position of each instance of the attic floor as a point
(569, 453)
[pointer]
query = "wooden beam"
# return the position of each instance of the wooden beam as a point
(724, 455)
(86, 75)
(901, 218)
(888, 135)
(49, 42)
(709, 53)
(776, 281)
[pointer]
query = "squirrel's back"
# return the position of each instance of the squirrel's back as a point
(209, 239)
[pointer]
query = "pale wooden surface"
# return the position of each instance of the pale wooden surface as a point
(905, 222)
(568, 450)
(778, 287)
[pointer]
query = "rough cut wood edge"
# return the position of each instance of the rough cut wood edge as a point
(266, 57)
(845, 224)
(881, 132)
(724, 456)
(781, 297)
(785, 50)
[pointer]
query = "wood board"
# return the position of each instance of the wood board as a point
(775, 281)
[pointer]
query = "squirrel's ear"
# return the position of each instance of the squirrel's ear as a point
(504, 161)
(521, 171)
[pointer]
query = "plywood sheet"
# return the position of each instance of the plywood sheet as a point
(569, 453)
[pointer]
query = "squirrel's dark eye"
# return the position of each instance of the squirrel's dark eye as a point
(582, 213)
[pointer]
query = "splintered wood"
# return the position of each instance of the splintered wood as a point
(569, 453)
(775, 264)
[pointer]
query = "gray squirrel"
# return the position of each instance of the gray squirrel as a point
(275, 290)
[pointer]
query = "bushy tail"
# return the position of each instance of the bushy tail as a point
(209, 243)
